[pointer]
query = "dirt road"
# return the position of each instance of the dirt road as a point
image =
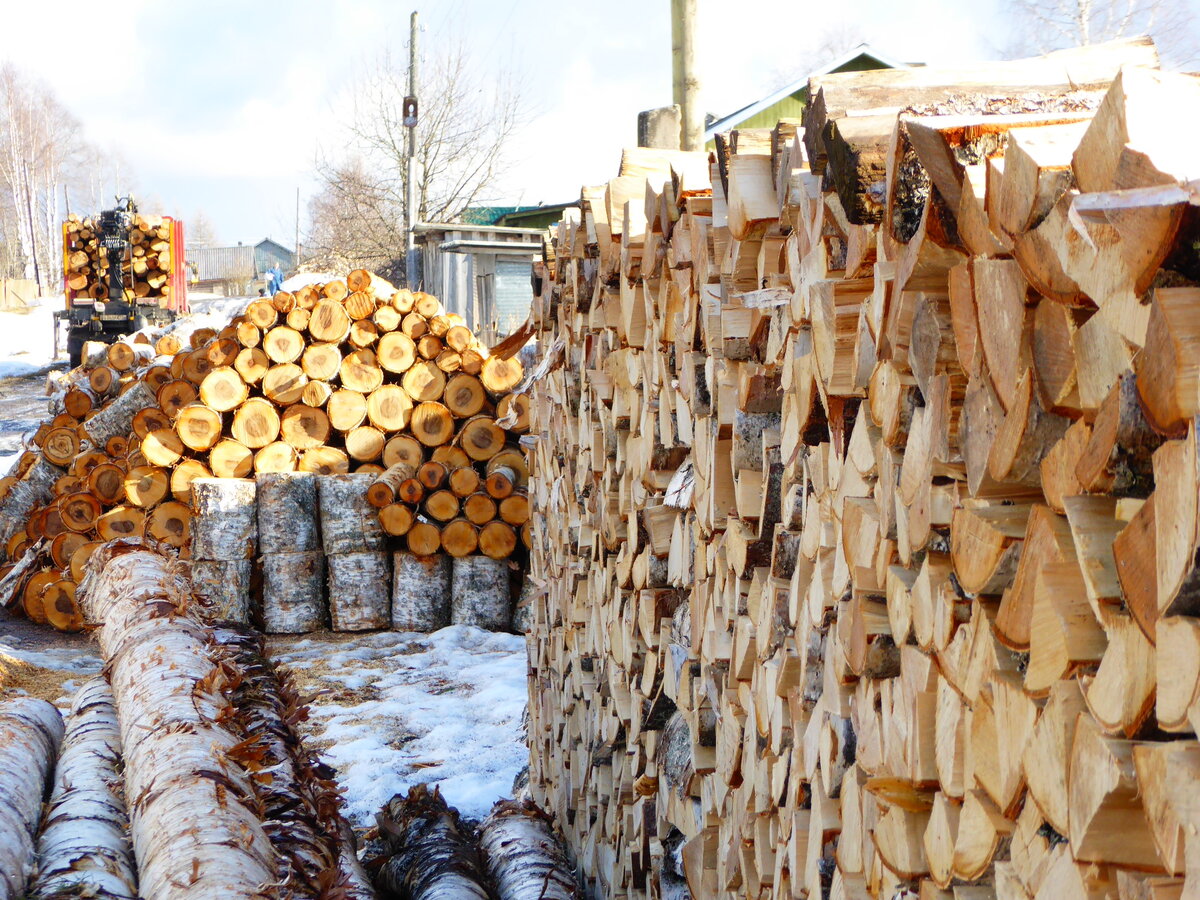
(22, 408)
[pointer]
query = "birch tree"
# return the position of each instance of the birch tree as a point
(1040, 26)
(41, 150)
(467, 116)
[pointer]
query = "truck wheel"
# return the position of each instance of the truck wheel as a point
(75, 350)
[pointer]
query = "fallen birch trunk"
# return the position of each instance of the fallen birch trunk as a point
(194, 817)
(30, 732)
(84, 848)
(524, 858)
(434, 855)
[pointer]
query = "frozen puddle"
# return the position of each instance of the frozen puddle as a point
(393, 709)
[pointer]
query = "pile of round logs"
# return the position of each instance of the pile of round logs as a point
(331, 379)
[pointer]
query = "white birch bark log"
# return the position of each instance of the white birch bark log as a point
(287, 512)
(420, 592)
(224, 519)
(349, 524)
(36, 488)
(117, 418)
(196, 833)
(522, 617)
(293, 592)
(480, 593)
(523, 854)
(84, 847)
(226, 585)
(434, 855)
(359, 598)
(30, 732)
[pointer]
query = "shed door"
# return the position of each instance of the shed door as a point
(514, 293)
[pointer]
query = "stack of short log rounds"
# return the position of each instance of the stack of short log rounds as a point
(224, 539)
(333, 379)
(290, 553)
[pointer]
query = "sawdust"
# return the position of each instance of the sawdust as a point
(37, 681)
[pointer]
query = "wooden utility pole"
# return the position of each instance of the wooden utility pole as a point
(411, 216)
(685, 83)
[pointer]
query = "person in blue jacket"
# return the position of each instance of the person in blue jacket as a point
(274, 280)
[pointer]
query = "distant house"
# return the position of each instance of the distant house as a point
(790, 100)
(541, 216)
(484, 273)
(237, 271)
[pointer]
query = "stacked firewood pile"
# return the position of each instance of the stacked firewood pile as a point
(867, 500)
(332, 379)
(146, 272)
(181, 772)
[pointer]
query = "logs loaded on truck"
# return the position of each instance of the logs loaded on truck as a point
(867, 501)
(122, 271)
(381, 397)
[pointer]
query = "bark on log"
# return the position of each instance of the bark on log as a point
(420, 592)
(84, 848)
(195, 829)
(349, 524)
(299, 800)
(226, 584)
(287, 512)
(523, 855)
(36, 488)
(30, 732)
(225, 524)
(293, 592)
(480, 593)
(433, 854)
(117, 417)
(359, 591)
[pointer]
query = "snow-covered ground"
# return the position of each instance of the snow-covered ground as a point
(393, 709)
(27, 339)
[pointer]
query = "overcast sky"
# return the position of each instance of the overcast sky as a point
(218, 106)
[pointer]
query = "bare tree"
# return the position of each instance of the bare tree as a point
(1039, 26)
(200, 231)
(829, 44)
(467, 116)
(41, 151)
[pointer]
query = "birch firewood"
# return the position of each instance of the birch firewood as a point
(358, 591)
(34, 489)
(434, 856)
(30, 732)
(420, 592)
(225, 524)
(226, 585)
(287, 512)
(480, 593)
(84, 848)
(194, 821)
(117, 418)
(293, 592)
(349, 524)
(524, 858)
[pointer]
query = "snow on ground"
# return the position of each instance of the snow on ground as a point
(27, 338)
(394, 709)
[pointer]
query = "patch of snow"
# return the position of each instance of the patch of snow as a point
(381, 286)
(395, 709)
(27, 338)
